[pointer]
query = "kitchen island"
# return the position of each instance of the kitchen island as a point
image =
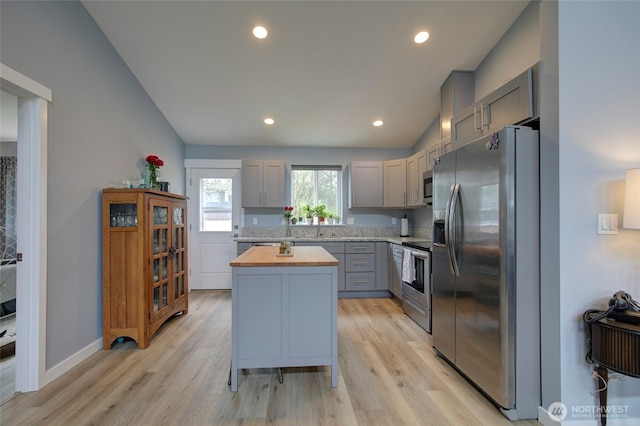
(284, 310)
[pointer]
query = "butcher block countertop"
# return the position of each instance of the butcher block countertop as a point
(261, 256)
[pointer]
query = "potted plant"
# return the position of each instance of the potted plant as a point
(307, 211)
(321, 211)
(336, 219)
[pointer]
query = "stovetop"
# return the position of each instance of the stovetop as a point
(418, 245)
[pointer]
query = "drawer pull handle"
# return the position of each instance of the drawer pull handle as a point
(362, 262)
(360, 282)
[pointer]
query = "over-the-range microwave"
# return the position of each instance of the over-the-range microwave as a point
(427, 182)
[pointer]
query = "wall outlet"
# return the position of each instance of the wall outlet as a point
(394, 221)
(255, 220)
(350, 221)
(607, 223)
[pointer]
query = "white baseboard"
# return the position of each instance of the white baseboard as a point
(75, 359)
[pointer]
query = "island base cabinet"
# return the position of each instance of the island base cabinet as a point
(284, 317)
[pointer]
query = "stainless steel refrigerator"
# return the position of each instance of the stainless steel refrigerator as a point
(485, 266)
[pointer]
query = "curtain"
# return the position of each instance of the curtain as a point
(8, 209)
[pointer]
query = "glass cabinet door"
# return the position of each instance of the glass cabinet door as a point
(160, 252)
(179, 250)
(123, 215)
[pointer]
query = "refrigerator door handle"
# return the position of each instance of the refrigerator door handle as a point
(447, 228)
(453, 235)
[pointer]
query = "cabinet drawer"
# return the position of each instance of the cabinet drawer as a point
(330, 247)
(361, 247)
(361, 281)
(361, 262)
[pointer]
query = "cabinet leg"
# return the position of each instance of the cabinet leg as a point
(279, 371)
(602, 371)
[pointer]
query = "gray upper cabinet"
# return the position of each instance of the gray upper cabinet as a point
(263, 183)
(416, 166)
(512, 103)
(456, 93)
(395, 183)
(365, 184)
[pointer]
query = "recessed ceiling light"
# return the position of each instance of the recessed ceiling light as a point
(421, 37)
(269, 121)
(260, 32)
(378, 123)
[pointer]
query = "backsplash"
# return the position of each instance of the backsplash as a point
(306, 231)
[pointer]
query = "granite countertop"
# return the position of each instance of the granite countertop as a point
(394, 240)
(268, 256)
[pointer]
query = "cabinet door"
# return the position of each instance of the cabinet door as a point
(159, 236)
(178, 253)
(467, 125)
(273, 188)
(252, 185)
(365, 184)
(395, 265)
(382, 266)
(512, 103)
(395, 183)
(421, 160)
(433, 152)
(412, 181)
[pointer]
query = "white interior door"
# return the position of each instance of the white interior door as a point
(215, 221)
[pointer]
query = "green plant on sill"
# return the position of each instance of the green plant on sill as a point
(307, 210)
(321, 211)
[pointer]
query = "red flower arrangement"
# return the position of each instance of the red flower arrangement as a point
(288, 212)
(153, 162)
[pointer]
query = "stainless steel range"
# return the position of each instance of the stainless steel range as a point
(416, 282)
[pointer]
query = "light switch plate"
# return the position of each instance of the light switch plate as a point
(394, 221)
(350, 221)
(607, 223)
(255, 220)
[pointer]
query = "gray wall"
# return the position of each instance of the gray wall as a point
(598, 139)
(101, 126)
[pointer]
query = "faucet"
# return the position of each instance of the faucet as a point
(318, 234)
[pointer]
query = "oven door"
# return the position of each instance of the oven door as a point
(416, 296)
(420, 289)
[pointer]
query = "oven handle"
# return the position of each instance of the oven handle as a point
(420, 254)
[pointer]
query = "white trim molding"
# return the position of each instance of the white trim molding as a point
(31, 291)
(22, 83)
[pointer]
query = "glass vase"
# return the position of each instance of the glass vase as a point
(153, 179)
(287, 231)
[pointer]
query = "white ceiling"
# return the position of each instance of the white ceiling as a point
(327, 70)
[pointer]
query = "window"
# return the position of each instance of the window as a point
(215, 208)
(316, 185)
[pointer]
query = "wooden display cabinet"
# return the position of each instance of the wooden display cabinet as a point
(144, 262)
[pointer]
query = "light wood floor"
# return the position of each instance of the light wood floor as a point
(389, 375)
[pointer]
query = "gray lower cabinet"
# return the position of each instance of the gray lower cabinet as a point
(242, 247)
(337, 249)
(284, 317)
(382, 266)
(360, 266)
(363, 265)
(395, 269)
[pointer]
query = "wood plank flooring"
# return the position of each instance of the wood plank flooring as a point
(388, 375)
